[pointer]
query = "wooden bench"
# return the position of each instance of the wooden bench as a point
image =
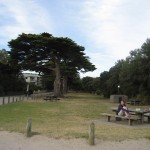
(148, 116)
(135, 102)
(51, 97)
(130, 119)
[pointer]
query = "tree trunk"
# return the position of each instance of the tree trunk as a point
(61, 86)
(65, 85)
(57, 81)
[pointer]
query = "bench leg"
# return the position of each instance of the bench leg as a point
(148, 118)
(118, 119)
(108, 118)
(130, 122)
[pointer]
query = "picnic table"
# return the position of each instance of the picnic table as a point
(141, 113)
(51, 97)
(130, 119)
(135, 102)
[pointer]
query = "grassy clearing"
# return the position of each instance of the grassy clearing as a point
(68, 118)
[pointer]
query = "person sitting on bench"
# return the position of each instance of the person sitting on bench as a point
(122, 109)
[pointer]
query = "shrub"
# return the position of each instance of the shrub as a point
(98, 92)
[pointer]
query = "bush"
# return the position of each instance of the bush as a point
(98, 92)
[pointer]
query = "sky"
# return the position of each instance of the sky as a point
(108, 29)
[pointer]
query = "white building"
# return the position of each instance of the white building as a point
(32, 78)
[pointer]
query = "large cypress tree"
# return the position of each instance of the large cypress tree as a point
(38, 52)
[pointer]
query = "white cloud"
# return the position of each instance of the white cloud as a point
(108, 29)
(102, 63)
(25, 16)
(114, 25)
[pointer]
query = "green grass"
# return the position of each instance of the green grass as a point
(68, 118)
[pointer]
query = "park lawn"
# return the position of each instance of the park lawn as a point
(68, 118)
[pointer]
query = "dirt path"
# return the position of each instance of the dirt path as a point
(17, 141)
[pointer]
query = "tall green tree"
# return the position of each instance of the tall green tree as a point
(10, 79)
(145, 68)
(87, 83)
(75, 83)
(113, 81)
(43, 51)
(130, 74)
(104, 77)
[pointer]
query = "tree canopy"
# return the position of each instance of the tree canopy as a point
(59, 56)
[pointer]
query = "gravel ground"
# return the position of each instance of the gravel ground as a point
(18, 141)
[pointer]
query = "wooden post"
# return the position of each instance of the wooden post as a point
(109, 118)
(148, 119)
(92, 134)
(3, 100)
(130, 122)
(29, 128)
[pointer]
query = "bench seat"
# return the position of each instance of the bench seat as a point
(130, 119)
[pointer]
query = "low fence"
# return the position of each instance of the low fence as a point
(40, 95)
(12, 99)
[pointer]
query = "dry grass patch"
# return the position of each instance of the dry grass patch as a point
(68, 118)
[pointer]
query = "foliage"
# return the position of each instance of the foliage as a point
(90, 84)
(132, 74)
(98, 92)
(104, 76)
(10, 79)
(96, 84)
(48, 54)
(75, 83)
(47, 80)
(3, 56)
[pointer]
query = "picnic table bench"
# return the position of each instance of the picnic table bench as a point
(148, 117)
(51, 97)
(130, 119)
(141, 113)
